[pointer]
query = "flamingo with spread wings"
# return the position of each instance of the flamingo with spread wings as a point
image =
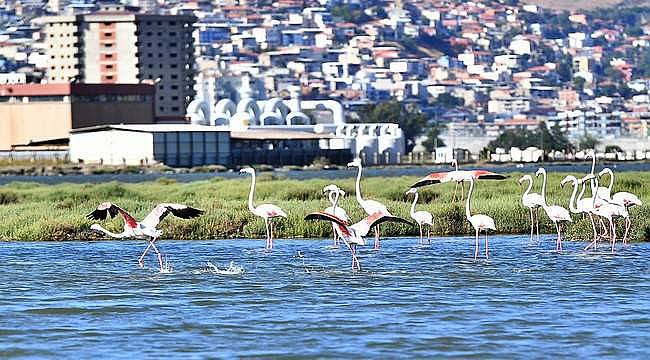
(369, 206)
(146, 228)
(457, 176)
(268, 212)
(353, 234)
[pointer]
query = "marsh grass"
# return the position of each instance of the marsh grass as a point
(31, 211)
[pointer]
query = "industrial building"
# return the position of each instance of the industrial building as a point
(171, 144)
(38, 114)
(115, 45)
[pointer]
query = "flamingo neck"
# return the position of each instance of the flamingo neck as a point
(415, 200)
(593, 167)
(594, 192)
(111, 234)
(251, 193)
(468, 214)
(358, 186)
(611, 180)
(530, 187)
(572, 201)
(544, 188)
(335, 203)
(330, 196)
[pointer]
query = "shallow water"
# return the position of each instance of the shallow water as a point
(423, 170)
(90, 299)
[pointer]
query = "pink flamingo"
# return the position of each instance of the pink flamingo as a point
(334, 193)
(145, 228)
(369, 206)
(353, 234)
(457, 176)
(479, 222)
(268, 212)
(557, 214)
(621, 198)
(533, 201)
(581, 205)
(421, 217)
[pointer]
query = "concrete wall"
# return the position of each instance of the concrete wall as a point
(112, 147)
(91, 114)
(25, 122)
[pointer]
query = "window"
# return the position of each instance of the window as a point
(159, 33)
(148, 44)
(161, 108)
(174, 108)
(108, 23)
(172, 23)
(173, 66)
(160, 45)
(161, 98)
(109, 77)
(173, 33)
(172, 44)
(174, 76)
(174, 87)
(174, 98)
(109, 66)
(108, 34)
(149, 55)
(108, 56)
(150, 66)
(149, 33)
(173, 55)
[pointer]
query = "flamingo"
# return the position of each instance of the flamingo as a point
(606, 210)
(621, 198)
(479, 222)
(334, 192)
(603, 192)
(556, 213)
(581, 205)
(145, 228)
(457, 176)
(421, 217)
(369, 206)
(352, 235)
(533, 201)
(266, 211)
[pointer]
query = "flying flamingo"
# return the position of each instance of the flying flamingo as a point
(144, 229)
(479, 222)
(556, 213)
(352, 235)
(266, 211)
(369, 206)
(622, 198)
(421, 217)
(581, 205)
(533, 201)
(457, 176)
(334, 193)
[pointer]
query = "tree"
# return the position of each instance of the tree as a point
(587, 142)
(579, 84)
(449, 101)
(613, 148)
(411, 120)
(433, 139)
(542, 137)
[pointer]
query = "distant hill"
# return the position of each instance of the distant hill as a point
(585, 4)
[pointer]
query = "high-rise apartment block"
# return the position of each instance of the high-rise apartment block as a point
(115, 45)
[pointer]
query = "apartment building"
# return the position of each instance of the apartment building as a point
(116, 45)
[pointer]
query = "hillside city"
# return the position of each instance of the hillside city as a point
(475, 75)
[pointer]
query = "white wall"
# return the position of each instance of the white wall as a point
(113, 147)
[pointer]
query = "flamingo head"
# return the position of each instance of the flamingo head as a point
(412, 191)
(96, 227)
(540, 171)
(247, 170)
(567, 179)
(331, 188)
(355, 163)
(605, 171)
(587, 178)
(524, 178)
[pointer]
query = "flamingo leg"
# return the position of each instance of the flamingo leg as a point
(537, 221)
(486, 244)
(453, 199)
(141, 259)
(421, 235)
(160, 261)
(462, 191)
(557, 241)
(355, 260)
(628, 223)
(476, 246)
(270, 234)
(613, 230)
(429, 234)
(531, 223)
(377, 241)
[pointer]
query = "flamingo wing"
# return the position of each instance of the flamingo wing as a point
(323, 216)
(433, 178)
(269, 211)
(487, 175)
(363, 227)
(105, 209)
(162, 210)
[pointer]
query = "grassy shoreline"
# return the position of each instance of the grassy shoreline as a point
(31, 211)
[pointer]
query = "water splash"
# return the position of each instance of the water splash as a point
(232, 269)
(166, 267)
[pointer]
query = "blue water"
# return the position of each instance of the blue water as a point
(423, 170)
(84, 300)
